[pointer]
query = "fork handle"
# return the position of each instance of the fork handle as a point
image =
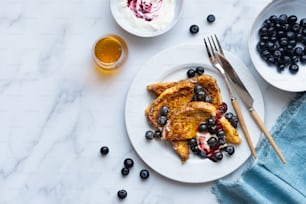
(243, 125)
(262, 127)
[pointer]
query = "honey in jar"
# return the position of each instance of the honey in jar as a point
(110, 52)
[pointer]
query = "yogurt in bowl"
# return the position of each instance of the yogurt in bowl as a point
(146, 18)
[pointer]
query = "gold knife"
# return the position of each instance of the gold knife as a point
(248, 101)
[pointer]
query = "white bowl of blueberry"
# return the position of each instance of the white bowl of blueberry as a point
(277, 44)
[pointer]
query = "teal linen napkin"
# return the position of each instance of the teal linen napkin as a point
(267, 180)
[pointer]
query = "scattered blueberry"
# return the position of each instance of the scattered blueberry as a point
(212, 142)
(194, 29)
(198, 88)
(144, 174)
(208, 99)
(202, 154)
(211, 18)
(149, 135)
(125, 171)
(122, 194)
(128, 163)
(192, 142)
(104, 150)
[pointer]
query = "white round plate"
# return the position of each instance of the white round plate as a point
(124, 22)
(171, 65)
(285, 80)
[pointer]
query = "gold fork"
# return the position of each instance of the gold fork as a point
(211, 49)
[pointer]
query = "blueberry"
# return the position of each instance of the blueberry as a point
(228, 115)
(144, 174)
(122, 194)
(194, 29)
(220, 133)
(193, 142)
(162, 120)
(212, 142)
(202, 127)
(303, 59)
(292, 19)
(273, 19)
(157, 134)
(211, 18)
(298, 51)
(125, 171)
(208, 99)
(280, 68)
(212, 129)
(195, 149)
(198, 88)
(104, 150)
(229, 149)
(201, 96)
(216, 157)
(128, 163)
(293, 68)
(149, 135)
(211, 121)
(202, 154)
(296, 27)
(191, 73)
(164, 110)
(303, 22)
(199, 70)
(283, 19)
(221, 141)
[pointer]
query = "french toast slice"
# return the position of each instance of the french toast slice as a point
(174, 97)
(183, 124)
(208, 82)
(181, 147)
(231, 134)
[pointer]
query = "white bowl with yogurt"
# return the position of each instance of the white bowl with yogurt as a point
(146, 18)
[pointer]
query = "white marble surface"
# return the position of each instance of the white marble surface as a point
(56, 111)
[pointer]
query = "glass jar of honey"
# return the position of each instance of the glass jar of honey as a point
(110, 52)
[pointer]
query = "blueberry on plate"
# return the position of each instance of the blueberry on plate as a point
(157, 134)
(194, 29)
(202, 154)
(191, 73)
(202, 127)
(199, 70)
(149, 135)
(293, 68)
(122, 194)
(229, 149)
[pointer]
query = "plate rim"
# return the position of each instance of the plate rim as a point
(193, 45)
(252, 52)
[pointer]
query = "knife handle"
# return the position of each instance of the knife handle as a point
(243, 125)
(262, 127)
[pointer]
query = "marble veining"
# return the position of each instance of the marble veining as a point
(56, 110)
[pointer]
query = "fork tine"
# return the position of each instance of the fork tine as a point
(214, 44)
(208, 51)
(211, 47)
(219, 45)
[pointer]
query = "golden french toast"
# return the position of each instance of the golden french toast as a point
(173, 97)
(183, 124)
(208, 82)
(185, 114)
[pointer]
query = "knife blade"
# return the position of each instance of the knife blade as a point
(248, 101)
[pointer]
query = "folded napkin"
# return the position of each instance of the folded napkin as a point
(266, 180)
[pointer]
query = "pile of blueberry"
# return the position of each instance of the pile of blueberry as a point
(282, 42)
(200, 95)
(192, 72)
(217, 143)
(128, 163)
